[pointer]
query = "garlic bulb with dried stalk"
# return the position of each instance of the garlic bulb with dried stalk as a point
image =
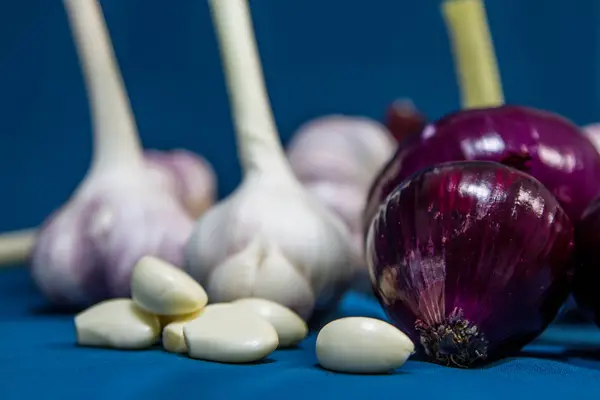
(269, 238)
(336, 158)
(85, 251)
(189, 176)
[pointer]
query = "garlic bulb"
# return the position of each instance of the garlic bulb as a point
(336, 158)
(269, 238)
(189, 176)
(85, 251)
(192, 178)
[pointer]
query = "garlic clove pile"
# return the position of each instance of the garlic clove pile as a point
(291, 329)
(117, 323)
(161, 288)
(269, 238)
(362, 345)
(172, 334)
(230, 334)
(85, 252)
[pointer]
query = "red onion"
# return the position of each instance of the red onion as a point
(471, 259)
(587, 273)
(543, 144)
(404, 120)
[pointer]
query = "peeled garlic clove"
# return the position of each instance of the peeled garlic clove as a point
(191, 177)
(161, 288)
(362, 345)
(118, 324)
(167, 319)
(173, 338)
(290, 328)
(231, 335)
(172, 334)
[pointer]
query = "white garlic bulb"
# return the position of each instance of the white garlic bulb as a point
(85, 252)
(337, 158)
(269, 238)
(190, 176)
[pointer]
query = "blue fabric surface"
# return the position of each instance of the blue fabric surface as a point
(39, 359)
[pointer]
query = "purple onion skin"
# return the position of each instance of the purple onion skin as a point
(587, 273)
(474, 252)
(543, 144)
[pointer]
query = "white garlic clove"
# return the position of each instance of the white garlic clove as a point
(291, 329)
(167, 319)
(362, 345)
(236, 275)
(172, 334)
(118, 324)
(261, 270)
(230, 335)
(161, 288)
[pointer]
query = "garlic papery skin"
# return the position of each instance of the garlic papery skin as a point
(270, 238)
(336, 158)
(191, 177)
(85, 252)
(592, 132)
(188, 176)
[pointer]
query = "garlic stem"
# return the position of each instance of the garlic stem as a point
(116, 141)
(474, 58)
(259, 146)
(16, 246)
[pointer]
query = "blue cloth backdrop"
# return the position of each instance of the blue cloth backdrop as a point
(333, 56)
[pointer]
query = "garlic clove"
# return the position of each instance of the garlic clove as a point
(161, 288)
(231, 335)
(167, 319)
(362, 345)
(278, 280)
(118, 324)
(291, 329)
(236, 275)
(172, 334)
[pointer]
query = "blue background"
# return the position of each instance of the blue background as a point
(319, 56)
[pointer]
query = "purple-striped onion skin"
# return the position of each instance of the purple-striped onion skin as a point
(471, 259)
(543, 144)
(587, 272)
